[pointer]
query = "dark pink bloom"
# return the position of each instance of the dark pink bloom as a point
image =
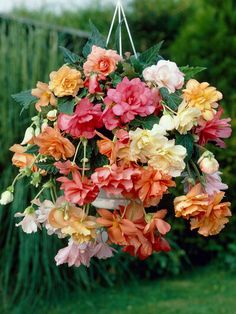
(66, 167)
(113, 179)
(214, 130)
(85, 120)
(92, 84)
(130, 98)
(78, 191)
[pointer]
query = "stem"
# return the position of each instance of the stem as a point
(18, 177)
(165, 106)
(52, 196)
(198, 173)
(39, 193)
(84, 158)
(76, 152)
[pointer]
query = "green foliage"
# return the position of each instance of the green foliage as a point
(95, 39)
(70, 57)
(66, 105)
(24, 99)
(144, 123)
(186, 140)
(171, 99)
(190, 72)
(150, 56)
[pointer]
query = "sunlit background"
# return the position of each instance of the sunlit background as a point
(199, 275)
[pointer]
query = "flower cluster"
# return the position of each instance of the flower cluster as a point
(109, 138)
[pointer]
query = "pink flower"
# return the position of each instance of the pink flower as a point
(214, 183)
(78, 191)
(29, 223)
(84, 122)
(74, 254)
(66, 167)
(113, 179)
(165, 74)
(214, 130)
(101, 61)
(92, 84)
(130, 98)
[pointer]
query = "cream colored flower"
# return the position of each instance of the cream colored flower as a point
(202, 96)
(65, 82)
(45, 96)
(207, 163)
(186, 118)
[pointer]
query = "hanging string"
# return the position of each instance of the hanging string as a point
(121, 16)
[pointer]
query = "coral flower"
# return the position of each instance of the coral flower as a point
(22, 159)
(155, 222)
(214, 130)
(84, 122)
(113, 179)
(101, 61)
(130, 98)
(52, 143)
(214, 219)
(65, 82)
(45, 96)
(202, 96)
(117, 227)
(78, 190)
(192, 204)
(66, 167)
(151, 185)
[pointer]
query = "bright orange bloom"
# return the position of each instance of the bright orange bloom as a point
(117, 227)
(155, 222)
(214, 219)
(52, 143)
(45, 96)
(21, 159)
(151, 185)
(73, 221)
(192, 204)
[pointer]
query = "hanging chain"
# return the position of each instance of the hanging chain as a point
(119, 10)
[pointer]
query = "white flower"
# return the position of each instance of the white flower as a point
(29, 134)
(111, 202)
(167, 122)
(207, 163)
(6, 198)
(165, 74)
(52, 115)
(186, 118)
(29, 223)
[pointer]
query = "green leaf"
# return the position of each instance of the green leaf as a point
(137, 65)
(25, 99)
(187, 141)
(49, 167)
(129, 70)
(150, 56)
(145, 123)
(69, 56)
(32, 150)
(171, 99)
(96, 39)
(66, 105)
(116, 79)
(190, 72)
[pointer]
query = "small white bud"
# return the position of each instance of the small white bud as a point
(29, 134)
(207, 163)
(52, 115)
(6, 198)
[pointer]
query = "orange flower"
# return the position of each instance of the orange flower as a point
(52, 143)
(65, 82)
(192, 204)
(151, 185)
(117, 227)
(202, 96)
(21, 159)
(215, 217)
(45, 96)
(73, 221)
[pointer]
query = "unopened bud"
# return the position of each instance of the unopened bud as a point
(207, 163)
(6, 198)
(29, 134)
(52, 115)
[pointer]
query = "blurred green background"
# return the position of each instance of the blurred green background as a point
(198, 276)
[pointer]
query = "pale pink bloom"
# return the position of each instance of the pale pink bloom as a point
(92, 84)
(129, 99)
(29, 223)
(113, 179)
(165, 74)
(66, 167)
(101, 61)
(214, 130)
(207, 163)
(214, 183)
(85, 120)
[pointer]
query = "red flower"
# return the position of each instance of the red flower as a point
(84, 122)
(78, 191)
(214, 130)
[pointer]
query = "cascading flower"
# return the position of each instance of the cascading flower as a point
(45, 96)
(214, 183)
(129, 99)
(21, 158)
(84, 122)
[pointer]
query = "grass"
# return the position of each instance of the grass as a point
(202, 292)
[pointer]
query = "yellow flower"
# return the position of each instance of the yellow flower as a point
(202, 96)
(186, 118)
(65, 82)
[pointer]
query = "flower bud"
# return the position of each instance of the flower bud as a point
(29, 134)
(52, 115)
(6, 198)
(207, 163)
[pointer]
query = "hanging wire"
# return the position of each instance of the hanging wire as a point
(121, 16)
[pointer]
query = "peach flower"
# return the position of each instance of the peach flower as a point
(45, 96)
(21, 159)
(215, 217)
(202, 96)
(65, 82)
(101, 61)
(52, 143)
